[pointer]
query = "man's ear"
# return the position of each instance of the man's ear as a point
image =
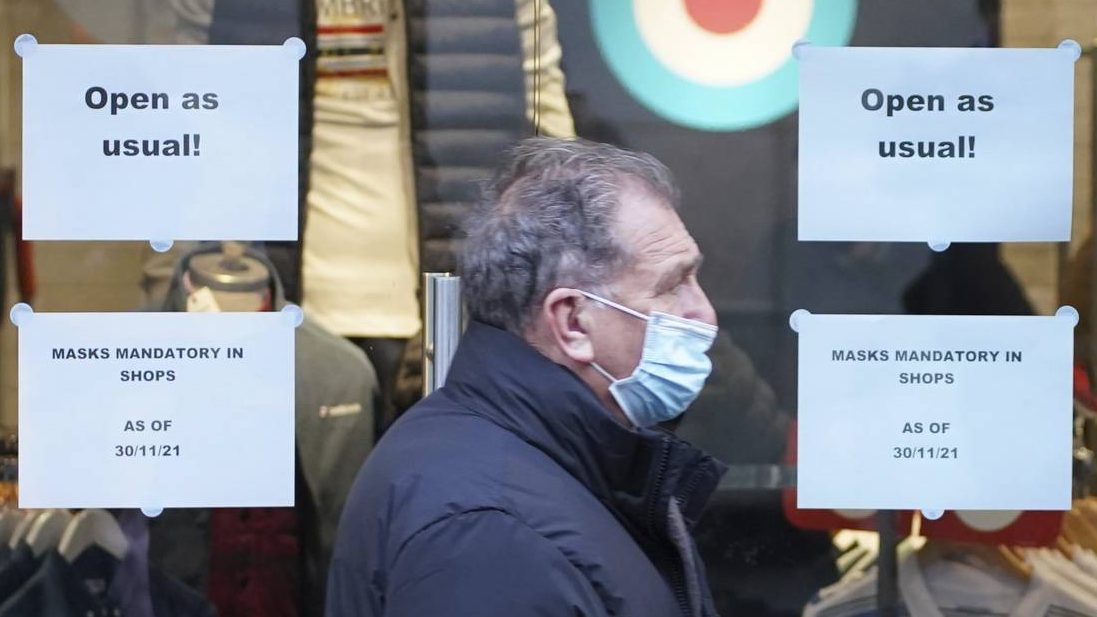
(567, 317)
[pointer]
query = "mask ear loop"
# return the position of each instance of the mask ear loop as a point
(620, 307)
(604, 373)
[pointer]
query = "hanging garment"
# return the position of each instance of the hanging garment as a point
(456, 87)
(336, 395)
(80, 589)
(954, 588)
(1086, 560)
(1067, 574)
(18, 570)
(253, 562)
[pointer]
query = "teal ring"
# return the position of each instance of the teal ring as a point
(698, 106)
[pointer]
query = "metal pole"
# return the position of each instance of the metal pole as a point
(887, 569)
(441, 327)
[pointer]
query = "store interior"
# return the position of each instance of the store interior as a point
(764, 557)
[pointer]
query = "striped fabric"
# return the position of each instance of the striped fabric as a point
(350, 38)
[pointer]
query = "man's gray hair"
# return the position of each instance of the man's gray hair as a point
(546, 220)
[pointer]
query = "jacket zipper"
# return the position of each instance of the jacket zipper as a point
(687, 492)
(678, 584)
(657, 490)
(677, 576)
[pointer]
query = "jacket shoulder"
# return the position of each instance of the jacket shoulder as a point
(442, 453)
(441, 460)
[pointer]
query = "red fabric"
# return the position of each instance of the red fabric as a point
(1083, 390)
(359, 29)
(254, 562)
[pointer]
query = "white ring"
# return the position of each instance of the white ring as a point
(722, 60)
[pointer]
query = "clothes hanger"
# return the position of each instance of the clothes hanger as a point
(93, 528)
(1065, 547)
(1079, 530)
(20, 533)
(9, 520)
(1087, 508)
(1002, 557)
(1014, 562)
(45, 534)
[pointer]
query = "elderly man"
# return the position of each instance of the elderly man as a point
(534, 481)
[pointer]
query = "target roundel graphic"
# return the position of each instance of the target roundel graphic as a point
(717, 65)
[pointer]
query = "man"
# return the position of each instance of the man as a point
(534, 481)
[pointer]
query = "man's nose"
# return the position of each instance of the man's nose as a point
(699, 307)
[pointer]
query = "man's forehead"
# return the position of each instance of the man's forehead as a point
(648, 224)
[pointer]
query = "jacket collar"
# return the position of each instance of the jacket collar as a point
(635, 472)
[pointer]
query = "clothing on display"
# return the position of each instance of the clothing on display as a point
(361, 201)
(29, 552)
(273, 561)
(350, 38)
(392, 152)
(1065, 570)
(17, 569)
(61, 589)
(960, 583)
(254, 553)
(938, 577)
(405, 106)
(97, 580)
(1086, 560)
(359, 271)
(254, 557)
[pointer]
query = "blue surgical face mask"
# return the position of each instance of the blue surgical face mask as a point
(672, 370)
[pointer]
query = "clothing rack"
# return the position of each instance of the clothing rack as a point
(887, 576)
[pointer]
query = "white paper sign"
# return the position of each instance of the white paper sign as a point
(151, 410)
(172, 142)
(935, 413)
(936, 145)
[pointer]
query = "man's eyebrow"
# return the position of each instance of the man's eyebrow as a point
(679, 272)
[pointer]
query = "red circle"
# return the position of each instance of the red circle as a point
(723, 16)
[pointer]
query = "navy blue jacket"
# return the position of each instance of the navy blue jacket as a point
(511, 491)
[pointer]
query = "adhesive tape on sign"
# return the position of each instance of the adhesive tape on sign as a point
(989, 520)
(715, 64)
